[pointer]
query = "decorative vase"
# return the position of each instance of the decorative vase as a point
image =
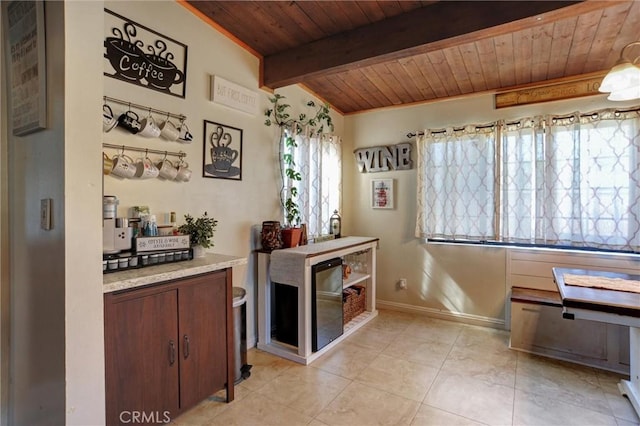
(198, 251)
(291, 237)
(271, 235)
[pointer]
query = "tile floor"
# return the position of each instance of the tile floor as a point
(403, 369)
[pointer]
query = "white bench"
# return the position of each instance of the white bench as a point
(537, 326)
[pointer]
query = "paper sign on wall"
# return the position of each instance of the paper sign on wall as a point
(233, 95)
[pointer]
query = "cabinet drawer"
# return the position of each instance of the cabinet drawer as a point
(540, 328)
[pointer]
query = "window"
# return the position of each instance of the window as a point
(553, 181)
(319, 160)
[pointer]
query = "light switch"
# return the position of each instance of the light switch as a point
(45, 214)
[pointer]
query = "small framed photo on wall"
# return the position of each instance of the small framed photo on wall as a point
(222, 156)
(382, 193)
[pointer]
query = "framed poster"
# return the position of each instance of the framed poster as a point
(144, 57)
(382, 193)
(222, 156)
(23, 23)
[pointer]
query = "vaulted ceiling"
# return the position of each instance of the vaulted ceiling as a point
(363, 55)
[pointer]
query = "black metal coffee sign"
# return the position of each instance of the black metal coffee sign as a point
(139, 55)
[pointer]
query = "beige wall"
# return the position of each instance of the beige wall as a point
(55, 351)
(452, 281)
(36, 171)
(84, 348)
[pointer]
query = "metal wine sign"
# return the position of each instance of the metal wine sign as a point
(141, 56)
(384, 158)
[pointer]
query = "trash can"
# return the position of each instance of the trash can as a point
(242, 369)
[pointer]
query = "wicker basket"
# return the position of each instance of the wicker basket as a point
(353, 302)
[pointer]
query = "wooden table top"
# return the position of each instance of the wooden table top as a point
(597, 299)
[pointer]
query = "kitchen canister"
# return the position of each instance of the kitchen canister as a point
(109, 207)
(271, 235)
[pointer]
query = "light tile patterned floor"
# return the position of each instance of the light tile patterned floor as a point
(404, 369)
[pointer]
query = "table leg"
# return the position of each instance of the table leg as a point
(631, 387)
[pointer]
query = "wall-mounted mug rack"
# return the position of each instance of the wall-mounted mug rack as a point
(180, 117)
(123, 166)
(179, 154)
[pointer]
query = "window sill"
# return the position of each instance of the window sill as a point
(545, 249)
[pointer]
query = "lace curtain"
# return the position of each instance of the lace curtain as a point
(456, 176)
(319, 160)
(559, 181)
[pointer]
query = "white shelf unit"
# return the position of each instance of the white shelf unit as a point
(313, 254)
(355, 278)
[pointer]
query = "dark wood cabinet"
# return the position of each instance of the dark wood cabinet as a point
(202, 318)
(168, 347)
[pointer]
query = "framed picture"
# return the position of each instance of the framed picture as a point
(23, 23)
(382, 193)
(142, 56)
(222, 156)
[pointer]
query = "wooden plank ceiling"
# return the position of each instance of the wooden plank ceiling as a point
(363, 55)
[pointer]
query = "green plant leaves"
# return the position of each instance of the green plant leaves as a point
(200, 230)
(279, 115)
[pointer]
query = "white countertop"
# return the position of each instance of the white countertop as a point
(132, 278)
(316, 249)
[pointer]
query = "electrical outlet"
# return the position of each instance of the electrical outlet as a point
(45, 214)
(402, 284)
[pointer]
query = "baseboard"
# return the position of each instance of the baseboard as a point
(252, 341)
(446, 315)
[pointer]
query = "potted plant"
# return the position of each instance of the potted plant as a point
(200, 232)
(280, 116)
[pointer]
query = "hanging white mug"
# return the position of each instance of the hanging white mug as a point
(169, 131)
(123, 166)
(145, 169)
(185, 135)
(149, 128)
(108, 120)
(166, 170)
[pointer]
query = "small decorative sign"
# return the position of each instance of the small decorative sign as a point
(233, 95)
(169, 242)
(382, 193)
(553, 92)
(144, 57)
(23, 22)
(384, 158)
(222, 154)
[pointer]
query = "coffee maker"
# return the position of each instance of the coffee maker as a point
(116, 232)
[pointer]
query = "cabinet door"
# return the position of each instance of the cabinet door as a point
(141, 356)
(202, 308)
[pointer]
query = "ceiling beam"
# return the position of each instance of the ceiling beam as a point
(437, 26)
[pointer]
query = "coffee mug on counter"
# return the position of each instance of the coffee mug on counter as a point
(123, 166)
(130, 121)
(149, 128)
(169, 131)
(145, 169)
